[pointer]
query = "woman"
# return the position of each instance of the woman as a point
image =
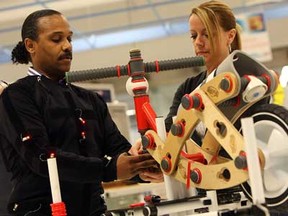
(3, 85)
(215, 34)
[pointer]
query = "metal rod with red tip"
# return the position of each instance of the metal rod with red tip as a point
(57, 207)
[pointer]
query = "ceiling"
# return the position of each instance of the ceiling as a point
(96, 22)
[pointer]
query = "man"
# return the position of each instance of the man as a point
(42, 114)
(4, 175)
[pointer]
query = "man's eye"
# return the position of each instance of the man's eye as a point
(56, 40)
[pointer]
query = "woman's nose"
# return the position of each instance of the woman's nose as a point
(199, 41)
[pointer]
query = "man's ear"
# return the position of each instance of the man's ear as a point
(30, 45)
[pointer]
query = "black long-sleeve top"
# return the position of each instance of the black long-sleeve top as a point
(40, 116)
(189, 85)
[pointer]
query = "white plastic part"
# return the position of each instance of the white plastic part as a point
(171, 185)
(275, 152)
(174, 189)
(136, 84)
(54, 180)
(254, 170)
(255, 90)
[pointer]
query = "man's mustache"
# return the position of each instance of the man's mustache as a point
(67, 55)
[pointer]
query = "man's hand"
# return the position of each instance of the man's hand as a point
(129, 166)
(152, 174)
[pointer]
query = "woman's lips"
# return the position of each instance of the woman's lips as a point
(202, 53)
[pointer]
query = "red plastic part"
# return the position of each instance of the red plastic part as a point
(168, 160)
(118, 71)
(230, 82)
(151, 144)
(268, 80)
(200, 101)
(157, 66)
(145, 115)
(199, 157)
(187, 96)
(152, 199)
(196, 170)
(135, 205)
(243, 153)
(142, 123)
(150, 115)
(188, 174)
(58, 209)
(182, 125)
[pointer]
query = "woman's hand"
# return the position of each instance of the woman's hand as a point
(154, 175)
(2, 86)
(136, 148)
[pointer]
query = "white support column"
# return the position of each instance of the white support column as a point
(254, 170)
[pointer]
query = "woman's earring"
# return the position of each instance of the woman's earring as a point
(229, 47)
